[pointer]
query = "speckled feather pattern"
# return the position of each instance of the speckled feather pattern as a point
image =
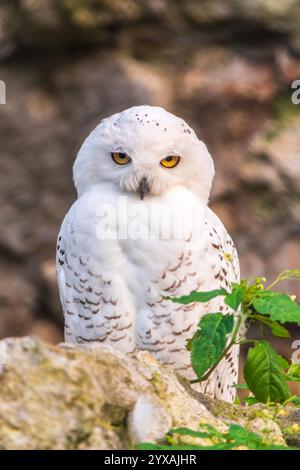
(115, 291)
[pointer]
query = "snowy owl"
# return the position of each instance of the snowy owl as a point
(141, 232)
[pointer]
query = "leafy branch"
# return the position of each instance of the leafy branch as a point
(235, 437)
(266, 373)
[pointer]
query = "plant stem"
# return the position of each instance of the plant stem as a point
(246, 341)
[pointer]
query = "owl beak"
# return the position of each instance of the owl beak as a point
(143, 187)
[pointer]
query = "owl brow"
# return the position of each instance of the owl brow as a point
(174, 152)
(119, 149)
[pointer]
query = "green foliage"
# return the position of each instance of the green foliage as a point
(267, 374)
(235, 437)
(295, 401)
(251, 400)
(209, 341)
(199, 296)
(241, 386)
(276, 329)
(264, 373)
(280, 307)
(293, 373)
(235, 298)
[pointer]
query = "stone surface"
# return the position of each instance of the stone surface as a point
(66, 398)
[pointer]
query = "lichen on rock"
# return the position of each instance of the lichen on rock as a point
(62, 397)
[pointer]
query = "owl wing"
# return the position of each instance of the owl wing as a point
(164, 327)
(226, 374)
(95, 302)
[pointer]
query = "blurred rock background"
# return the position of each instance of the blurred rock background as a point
(224, 66)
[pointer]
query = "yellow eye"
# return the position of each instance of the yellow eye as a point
(170, 162)
(120, 158)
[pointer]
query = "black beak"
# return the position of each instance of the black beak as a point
(143, 188)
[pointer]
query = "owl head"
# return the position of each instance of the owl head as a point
(147, 151)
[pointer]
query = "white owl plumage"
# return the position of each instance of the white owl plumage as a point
(114, 289)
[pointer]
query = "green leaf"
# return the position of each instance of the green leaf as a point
(209, 341)
(219, 446)
(235, 436)
(276, 329)
(264, 373)
(199, 296)
(293, 374)
(189, 343)
(189, 432)
(150, 446)
(296, 401)
(282, 362)
(236, 296)
(243, 436)
(241, 386)
(251, 400)
(280, 307)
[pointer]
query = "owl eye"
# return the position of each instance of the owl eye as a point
(120, 158)
(170, 162)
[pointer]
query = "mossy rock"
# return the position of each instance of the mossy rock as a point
(64, 397)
